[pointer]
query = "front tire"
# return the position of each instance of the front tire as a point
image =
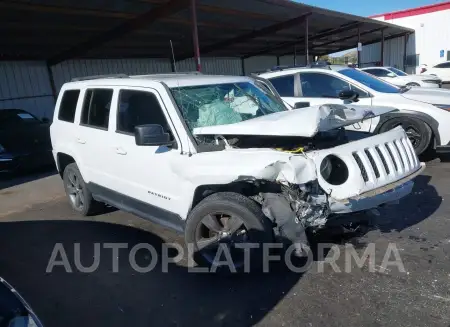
(229, 219)
(80, 198)
(413, 84)
(419, 132)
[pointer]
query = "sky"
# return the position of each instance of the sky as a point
(368, 7)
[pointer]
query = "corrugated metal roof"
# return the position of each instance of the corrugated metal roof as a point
(49, 29)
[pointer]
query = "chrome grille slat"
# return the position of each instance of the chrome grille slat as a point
(373, 164)
(383, 160)
(367, 165)
(394, 143)
(361, 167)
(387, 158)
(381, 168)
(411, 151)
(396, 156)
(408, 152)
(403, 155)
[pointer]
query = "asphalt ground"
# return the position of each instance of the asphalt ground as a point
(367, 295)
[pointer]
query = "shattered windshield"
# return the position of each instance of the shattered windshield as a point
(221, 104)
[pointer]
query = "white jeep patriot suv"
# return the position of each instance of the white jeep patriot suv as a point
(220, 159)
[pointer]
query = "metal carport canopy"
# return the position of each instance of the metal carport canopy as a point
(58, 30)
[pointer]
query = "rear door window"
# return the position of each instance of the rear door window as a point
(284, 85)
(319, 85)
(96, 107)
(68, 105)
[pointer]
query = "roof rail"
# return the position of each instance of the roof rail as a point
(190, 73)
(86, 78)
(167, 74)
(274, 69)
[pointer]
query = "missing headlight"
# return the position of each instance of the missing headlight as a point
(334, 170)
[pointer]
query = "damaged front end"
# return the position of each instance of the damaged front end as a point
(294, 209)
(303, 178)
(311, 187)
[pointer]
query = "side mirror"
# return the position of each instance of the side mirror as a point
(299, 105)
(151, 135)
(45, 120)
(392, 75)
(348, 95)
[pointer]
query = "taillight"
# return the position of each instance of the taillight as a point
(423, 70)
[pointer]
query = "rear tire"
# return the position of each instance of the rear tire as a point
(419, 133)
(79, 196)
(211, 223)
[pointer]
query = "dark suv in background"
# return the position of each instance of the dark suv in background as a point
(24, 141)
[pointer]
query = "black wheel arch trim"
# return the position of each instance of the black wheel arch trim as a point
(433, 123)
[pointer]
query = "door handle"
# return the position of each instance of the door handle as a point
(121, 151)
(81, 141)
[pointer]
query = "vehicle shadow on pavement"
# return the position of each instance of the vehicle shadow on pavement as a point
(7, 181)
(127, 298)
(423, 201)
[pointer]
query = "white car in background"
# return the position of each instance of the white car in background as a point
(423, 113)
(441, 70)
(400, 78)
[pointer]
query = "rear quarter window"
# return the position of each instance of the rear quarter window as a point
(284, 85)
(68, 105)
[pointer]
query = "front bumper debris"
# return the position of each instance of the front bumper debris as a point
(374, 198)
(354, 205)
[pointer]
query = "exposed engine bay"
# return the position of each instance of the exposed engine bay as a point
(292, 144)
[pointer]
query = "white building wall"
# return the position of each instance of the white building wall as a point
(432, 34)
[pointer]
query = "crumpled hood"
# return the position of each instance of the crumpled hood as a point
(223, 167)
(304, 122)
(433, 96)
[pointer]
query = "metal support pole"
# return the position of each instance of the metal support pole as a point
(306, 41)
(359, 52)
(405, 55)
(52, 81)
(195, 35)
(243, 66)
(295, 55)
(382, 47)
(278, 60)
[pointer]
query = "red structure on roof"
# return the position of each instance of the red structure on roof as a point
(414, 11)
